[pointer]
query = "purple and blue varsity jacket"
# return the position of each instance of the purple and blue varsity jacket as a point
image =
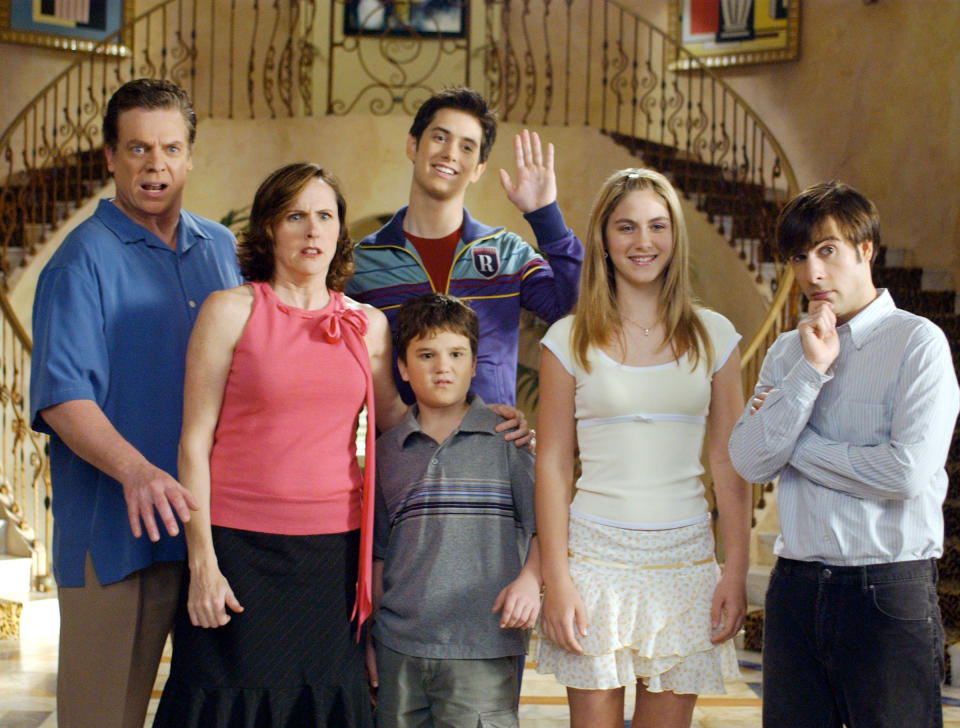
(494, 271)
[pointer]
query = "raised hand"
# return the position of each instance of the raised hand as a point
(818, 335)
(536, 183)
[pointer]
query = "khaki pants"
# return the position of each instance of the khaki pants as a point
(418, 692)
(111, 640)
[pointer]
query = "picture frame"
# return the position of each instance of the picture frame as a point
(418, 18)
(721, 33)
(35, 22)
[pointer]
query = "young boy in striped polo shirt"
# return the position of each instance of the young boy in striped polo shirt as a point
(453, 592)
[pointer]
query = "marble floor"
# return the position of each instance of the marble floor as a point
(28, 682)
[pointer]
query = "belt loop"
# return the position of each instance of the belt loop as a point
(864, 579)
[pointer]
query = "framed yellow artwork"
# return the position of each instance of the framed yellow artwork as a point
(723, 33)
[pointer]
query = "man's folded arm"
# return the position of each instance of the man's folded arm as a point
(924, 412)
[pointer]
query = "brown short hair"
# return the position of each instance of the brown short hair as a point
(461, 99)
(855, 215)
(149, 94)
(276, 193)
(431, 314)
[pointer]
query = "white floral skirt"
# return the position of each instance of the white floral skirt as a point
(647, 596)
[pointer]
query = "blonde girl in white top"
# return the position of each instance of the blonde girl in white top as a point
(637, 375)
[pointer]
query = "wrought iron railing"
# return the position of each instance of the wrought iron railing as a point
(542, 62)
(24, 464)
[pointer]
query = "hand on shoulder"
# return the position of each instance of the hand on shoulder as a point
(378, 329)
(374, 315)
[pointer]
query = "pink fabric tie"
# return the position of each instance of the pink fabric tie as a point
(350, 324)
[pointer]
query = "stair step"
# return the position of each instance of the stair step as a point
(740, 639)
(951, 517)
(900, 282)
(925, 303)
(949, 563)
(938, 280)
(14, 574)
(765, 543)
(758, 576)
(953, 474)
(753, 630)
(949, 593)
(893, 257)
(952, 654)
(950, 323)
(30, 615)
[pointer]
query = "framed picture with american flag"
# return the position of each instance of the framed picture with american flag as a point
(73, 25)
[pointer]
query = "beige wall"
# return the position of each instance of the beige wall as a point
(18, 88)
(367, 154)
(872, 101)
(26, 69)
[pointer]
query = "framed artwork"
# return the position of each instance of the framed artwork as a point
(424, 18)
(75, 25)
(735, 32)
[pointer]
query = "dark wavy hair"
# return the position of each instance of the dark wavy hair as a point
(431, 314)
(276, 194)
(856, 217)
(149, 94)
(463, 99)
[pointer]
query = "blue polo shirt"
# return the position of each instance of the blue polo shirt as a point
(112, 314)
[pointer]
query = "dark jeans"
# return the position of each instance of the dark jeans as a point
(860, 646)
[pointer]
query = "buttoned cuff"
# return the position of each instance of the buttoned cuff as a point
(804, 379)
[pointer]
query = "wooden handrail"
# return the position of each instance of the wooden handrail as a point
(771, 322)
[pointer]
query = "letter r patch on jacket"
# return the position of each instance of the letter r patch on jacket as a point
(486, 261)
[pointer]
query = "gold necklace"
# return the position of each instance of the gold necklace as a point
(644, 329)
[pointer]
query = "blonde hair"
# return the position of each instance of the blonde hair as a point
(596, 321)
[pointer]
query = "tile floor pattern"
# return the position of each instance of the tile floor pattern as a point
(28, 683)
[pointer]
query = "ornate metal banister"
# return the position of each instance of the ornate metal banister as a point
(545, 62)
(24, 465)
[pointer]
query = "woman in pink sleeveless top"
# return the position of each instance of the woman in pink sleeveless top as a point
(278, 371)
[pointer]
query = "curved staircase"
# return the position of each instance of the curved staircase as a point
(582, 62)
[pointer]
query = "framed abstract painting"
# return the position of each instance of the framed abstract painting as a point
(735, 32)
(423, 18)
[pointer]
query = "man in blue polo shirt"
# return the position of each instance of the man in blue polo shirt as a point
(112, 314)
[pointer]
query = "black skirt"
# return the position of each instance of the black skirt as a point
(291, 658)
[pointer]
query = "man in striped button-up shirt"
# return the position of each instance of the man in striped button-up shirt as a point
(854, 412)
